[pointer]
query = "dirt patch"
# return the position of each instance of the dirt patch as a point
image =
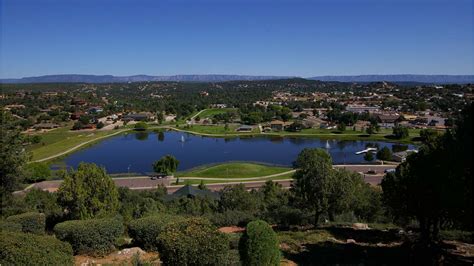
(231, 229)
(122, 257)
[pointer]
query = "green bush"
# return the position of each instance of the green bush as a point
(28, 249)
(259, 245)
(231, 217)
(93, 237)
(193, 241)
(31, 222)
(144, 231)
(9, 226)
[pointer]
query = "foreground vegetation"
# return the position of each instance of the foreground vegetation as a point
(429, 194)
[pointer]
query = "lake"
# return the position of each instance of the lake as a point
(135, 152)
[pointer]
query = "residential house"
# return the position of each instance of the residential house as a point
(388, 120)
(244, 128)
(45, 126)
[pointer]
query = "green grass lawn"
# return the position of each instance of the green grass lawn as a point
(234, 170)
(209, 113)
(61, 139)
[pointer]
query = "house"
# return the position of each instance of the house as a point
(388, 120)
(136, 117)
(189, 191)
(312, 121)
(95, 110)
(361, 108)
(219, 105)
(76, 115)
(361, 125)
(402, 155)
(244, 128)
(78, 102)
(277, 125)
(45, 126)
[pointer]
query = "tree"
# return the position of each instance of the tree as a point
(384, 154)
(312, 180)
(37, 172)
(400, 132)
(100, 125)
(237, 198)
(197, 118)
(435, 185)
(368, 156)
(160, 117)
(341, 127)
(140, 126)
(341, 188)
(166, 165)
(13, 156)
(259, 245)
(88, 192)
(428, 136)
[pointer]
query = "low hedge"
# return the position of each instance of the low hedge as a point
(144, 231)
(8, 226)
(31, 222)
(92, 237)
(29, 249)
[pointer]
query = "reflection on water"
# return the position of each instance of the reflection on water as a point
(141, 149)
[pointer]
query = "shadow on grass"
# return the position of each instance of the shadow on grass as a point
(330, 253)
(365, 236)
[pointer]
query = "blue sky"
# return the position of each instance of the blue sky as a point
(259, 37)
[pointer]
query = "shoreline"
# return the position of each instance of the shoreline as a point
(326, 136)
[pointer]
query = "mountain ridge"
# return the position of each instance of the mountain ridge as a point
(81, 78)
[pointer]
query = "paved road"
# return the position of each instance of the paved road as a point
(145, 182)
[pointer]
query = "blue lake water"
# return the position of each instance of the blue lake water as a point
(135, 152)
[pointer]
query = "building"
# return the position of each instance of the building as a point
(219, 105)
(189, 191)
(387, 120)
(95, 110)
(136, 117)
(361, 108)
(277, 125)
(244, 128)
(76, 115)
(45, 126)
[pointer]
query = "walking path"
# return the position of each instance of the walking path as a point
(78, 146)
(198, 113)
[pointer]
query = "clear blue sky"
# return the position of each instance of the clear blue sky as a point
(259, 37)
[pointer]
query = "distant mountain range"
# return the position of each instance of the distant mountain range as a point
(439, 79)
(75, 78)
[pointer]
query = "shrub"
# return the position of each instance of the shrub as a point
(193, 241)
(259, 245)
(31, 222)
(231, 217)
(92, 237)
(384, 154)
(9, 226)
(144, 231)
(140, 126)
(28, 249)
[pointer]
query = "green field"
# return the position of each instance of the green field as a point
(209, 113)
(234, 170)
(62, 139)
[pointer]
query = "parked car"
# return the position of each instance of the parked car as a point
(371, 172)
(389, 170)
